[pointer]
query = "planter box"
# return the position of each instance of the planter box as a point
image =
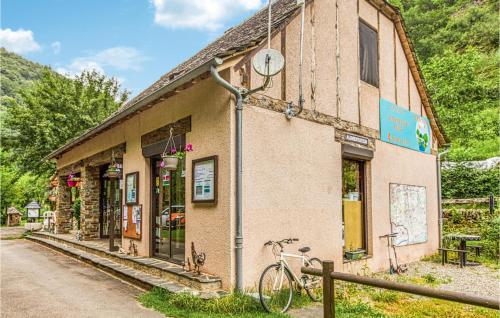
(354, 255)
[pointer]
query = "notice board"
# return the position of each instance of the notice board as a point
(408, 206)
(132, 221)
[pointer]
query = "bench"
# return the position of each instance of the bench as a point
(461, 255)
(476, 249)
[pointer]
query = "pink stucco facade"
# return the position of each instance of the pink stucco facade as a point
(292, 169)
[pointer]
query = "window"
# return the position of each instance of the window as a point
(353, 209)
(368, 54)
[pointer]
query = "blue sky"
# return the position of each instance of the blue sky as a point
(136, 41)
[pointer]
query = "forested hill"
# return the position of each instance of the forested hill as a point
(17, 72)
(456, 42)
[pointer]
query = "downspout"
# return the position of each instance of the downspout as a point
(440, 205)
(238, 240)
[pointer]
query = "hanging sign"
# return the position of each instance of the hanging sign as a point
(401, 127)
(204, 180)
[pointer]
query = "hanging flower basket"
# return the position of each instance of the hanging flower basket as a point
(113, 172)
(171, 156)
(73, 181)
(170, 162)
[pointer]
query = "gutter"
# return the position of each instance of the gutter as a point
(113, 119)
(238, 240)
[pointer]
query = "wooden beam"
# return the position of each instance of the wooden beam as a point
(181, 126)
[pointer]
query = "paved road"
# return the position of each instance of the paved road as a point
(39, 282)
(7, 232)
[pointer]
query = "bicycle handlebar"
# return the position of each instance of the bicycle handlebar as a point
(284, 241)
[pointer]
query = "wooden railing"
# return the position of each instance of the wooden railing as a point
(329, 276)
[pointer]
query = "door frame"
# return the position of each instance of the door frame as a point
(102, 171)
(153, 207)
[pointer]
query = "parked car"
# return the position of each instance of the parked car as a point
(177, 216)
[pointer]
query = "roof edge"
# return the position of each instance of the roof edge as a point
(114, 118)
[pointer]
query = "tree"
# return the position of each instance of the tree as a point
(54, 110)
(464, 88)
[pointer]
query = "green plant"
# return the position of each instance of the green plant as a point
(463, 182)
(386, 296)
(186, 305)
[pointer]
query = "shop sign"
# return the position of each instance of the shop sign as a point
(401, 127)
(356, 139)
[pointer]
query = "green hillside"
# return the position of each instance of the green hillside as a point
(17, 72)
(456, 42)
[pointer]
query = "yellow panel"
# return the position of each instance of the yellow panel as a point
(353, 222)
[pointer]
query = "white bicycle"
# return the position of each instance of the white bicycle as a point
(278, 281)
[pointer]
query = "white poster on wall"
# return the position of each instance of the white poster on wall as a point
(408, 209)
(204, 180)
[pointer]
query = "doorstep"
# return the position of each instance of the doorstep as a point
(150, 266)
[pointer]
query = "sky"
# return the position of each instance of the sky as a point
(136, 41)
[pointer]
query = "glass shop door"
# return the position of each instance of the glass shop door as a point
(169, 211)
(105, 205)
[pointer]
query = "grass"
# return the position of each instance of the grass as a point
(384, 303)
(186, 305)
(351, 301)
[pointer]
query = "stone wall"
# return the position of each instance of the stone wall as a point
(89, 196)
(63, 207)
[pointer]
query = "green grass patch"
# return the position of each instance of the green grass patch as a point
(186, 305)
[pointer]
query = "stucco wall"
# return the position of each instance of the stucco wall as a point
(206, 225)
(358, 101)
(292, 185)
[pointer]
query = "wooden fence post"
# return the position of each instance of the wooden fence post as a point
(328, 290)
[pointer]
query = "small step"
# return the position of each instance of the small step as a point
(136, 277)
(152, 266)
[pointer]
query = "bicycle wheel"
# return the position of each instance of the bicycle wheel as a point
(275, 289)
(313, 284)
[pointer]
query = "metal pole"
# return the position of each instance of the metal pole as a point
(328, 290)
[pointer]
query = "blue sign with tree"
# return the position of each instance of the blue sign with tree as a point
(401, 127)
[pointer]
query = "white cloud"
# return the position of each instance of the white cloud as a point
(20, 41)
(56, 47)
(118, 58)
(200, 14)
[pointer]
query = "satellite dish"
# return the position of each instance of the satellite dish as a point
(268, 62)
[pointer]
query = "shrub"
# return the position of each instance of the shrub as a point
(462, 182)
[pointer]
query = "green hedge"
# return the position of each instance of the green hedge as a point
(461, 182)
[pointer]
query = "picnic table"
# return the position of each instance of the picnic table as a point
(463, 239)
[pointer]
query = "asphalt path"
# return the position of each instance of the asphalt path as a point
(39, 282)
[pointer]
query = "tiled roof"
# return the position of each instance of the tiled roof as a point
(238, 38)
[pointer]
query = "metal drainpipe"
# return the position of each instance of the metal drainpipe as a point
(440, 205)
(238, 241)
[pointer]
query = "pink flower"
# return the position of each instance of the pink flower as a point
(173, 150)
(162, 164)
(189, 147)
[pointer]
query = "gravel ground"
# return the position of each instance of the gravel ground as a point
(475, 280)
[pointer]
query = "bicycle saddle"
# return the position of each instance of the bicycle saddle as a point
(304, 249)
